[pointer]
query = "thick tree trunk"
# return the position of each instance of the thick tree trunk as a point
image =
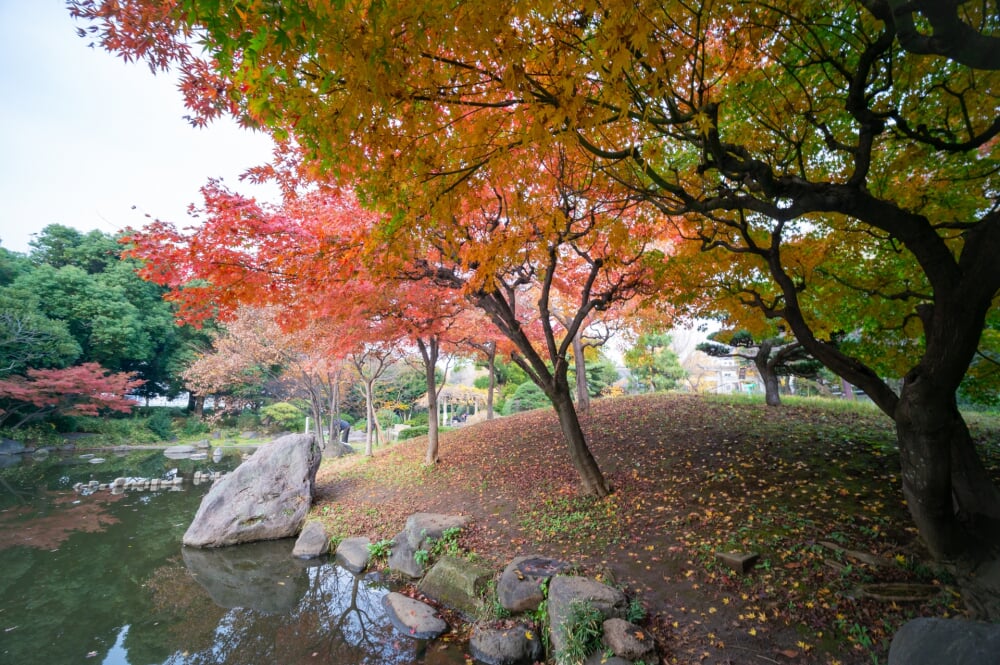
(924, 427)
(196, 405)
(977, 496)
(762, 361)
(583, 461)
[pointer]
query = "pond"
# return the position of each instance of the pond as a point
(102, 578)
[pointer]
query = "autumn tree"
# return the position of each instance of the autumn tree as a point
(81, 390)
(371, 360)
(777, 132)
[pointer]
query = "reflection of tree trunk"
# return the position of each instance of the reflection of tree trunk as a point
(17, 495)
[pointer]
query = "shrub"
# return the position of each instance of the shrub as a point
(161, 425)
(413, 432)
(193, 426)
(527, 397)
(284, 417)
(387, 418)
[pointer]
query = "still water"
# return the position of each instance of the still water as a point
(103, 579)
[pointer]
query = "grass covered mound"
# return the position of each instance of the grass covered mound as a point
(812, 486)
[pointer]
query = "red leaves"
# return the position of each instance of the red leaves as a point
(81, 390)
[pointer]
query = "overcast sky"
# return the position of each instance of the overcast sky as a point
(84, 136)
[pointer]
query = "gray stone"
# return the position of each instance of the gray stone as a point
(413, 618)
(420, 528)
(353, 554)
(179, 450)
(402, 559)
(507, 646)
(565, 590)
(520, 586)
(423, 526)
(265, 498)
(11, 447)
(203, 444)
(627, 640)
(312, 542)
(456, 583)
(258, 576)
(741, 562)
(931, 641)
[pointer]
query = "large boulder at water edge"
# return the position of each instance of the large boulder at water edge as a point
(265, 498)
(933, 641)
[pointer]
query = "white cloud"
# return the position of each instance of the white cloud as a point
(84, 136)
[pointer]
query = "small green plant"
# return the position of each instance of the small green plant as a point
(635, 612)
(540, 616)
(582, 630)
(381, 549)
(422, 557)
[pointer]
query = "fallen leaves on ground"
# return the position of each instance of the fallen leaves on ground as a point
(692, 476)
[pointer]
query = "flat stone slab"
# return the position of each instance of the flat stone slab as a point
(931, 641)
(506, 646)
(456, 583)
(353, 554)
(891, 592)
(413, 618)
(741, 562)
(520, 586)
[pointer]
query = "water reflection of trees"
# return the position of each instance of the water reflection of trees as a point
(339, 619)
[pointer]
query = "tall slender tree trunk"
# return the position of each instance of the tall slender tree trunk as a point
(580, 364)
(429, 352)
(370, 420)
(491, 359)
(583, 461)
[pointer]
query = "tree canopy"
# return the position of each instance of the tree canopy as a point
(833, 164)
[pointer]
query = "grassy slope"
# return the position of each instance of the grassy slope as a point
(692, 476)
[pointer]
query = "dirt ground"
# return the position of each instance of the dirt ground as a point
(813, 489)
